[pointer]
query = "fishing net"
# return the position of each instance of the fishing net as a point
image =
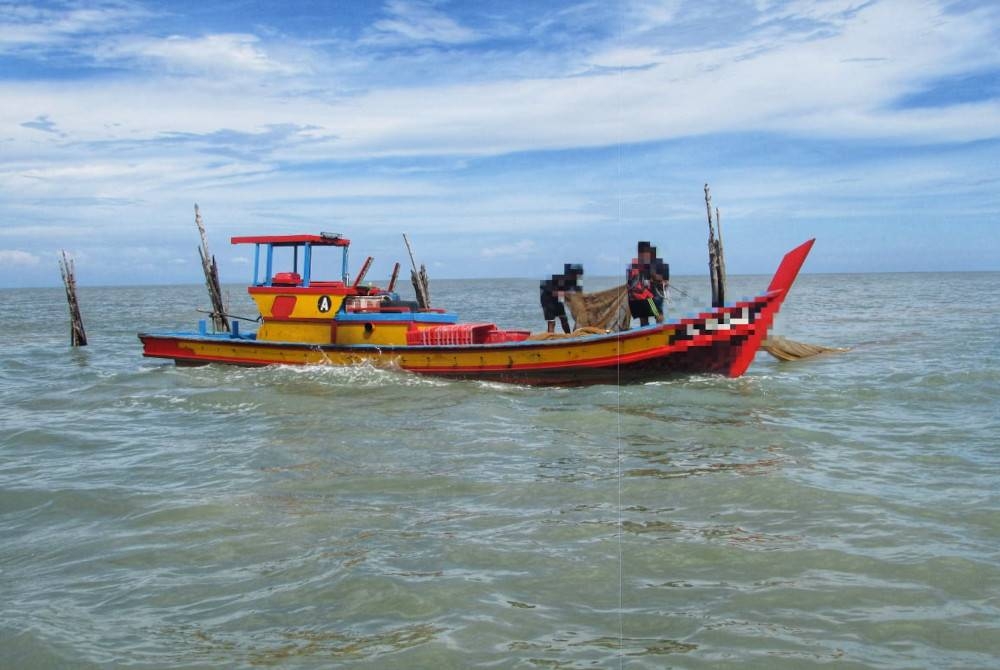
(606, 310)
(789, 350)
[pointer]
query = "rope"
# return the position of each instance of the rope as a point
(259, 319)
(579, 332)
(619, 453)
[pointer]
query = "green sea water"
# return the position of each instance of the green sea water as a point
(838, 512)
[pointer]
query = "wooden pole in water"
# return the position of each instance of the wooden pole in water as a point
(425, 283)
(211, 270)
(77, 335)
(713, 251)
(420, 281)
(720, 259)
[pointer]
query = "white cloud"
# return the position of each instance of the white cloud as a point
(38, 232)
(843, 85)
(263, 131)
(646, 15)
(114, 180)
(18, 258)
(518, 248)
(627, 57)
(32, 28)
(421, 23)
(825, 11)
(222, 52)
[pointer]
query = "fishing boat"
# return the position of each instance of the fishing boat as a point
(309, 321)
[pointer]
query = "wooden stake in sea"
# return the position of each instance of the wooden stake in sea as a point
(77, 335)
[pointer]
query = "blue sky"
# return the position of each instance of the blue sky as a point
(504, 138)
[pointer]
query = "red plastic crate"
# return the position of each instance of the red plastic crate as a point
(500, 336)
(458, 334)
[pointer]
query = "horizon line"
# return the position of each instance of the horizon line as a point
(515, 278)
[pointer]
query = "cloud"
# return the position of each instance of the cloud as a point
(43, 123)
(646, 15)
(212, 53)
(518, 248)
(802, 11)
(419, 22)
(31, 28)
(18, 258)
(98, 36)
(509, 121)
(865, 62)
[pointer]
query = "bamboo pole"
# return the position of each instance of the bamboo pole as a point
(77, 334)
(420, 281)
(713, 251)
(392, 280)
(211, 270)
(425, 283)
(720, 259)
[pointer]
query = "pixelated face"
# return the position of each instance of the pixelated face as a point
(563, 283)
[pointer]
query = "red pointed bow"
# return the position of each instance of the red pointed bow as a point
(790, 266)
(778, 289)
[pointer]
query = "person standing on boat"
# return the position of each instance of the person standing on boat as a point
(646, 280)
(553, 290)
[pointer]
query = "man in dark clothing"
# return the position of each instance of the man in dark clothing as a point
(646, 279)
(551, 290)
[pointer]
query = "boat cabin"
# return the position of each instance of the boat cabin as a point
(305, 243)
(296, 306)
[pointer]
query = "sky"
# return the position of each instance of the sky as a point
(505, 138)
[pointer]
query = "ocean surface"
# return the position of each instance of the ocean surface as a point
(842, 511)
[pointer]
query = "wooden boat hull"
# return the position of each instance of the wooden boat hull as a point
(723, 340)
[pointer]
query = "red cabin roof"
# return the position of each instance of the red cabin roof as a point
(326, 240)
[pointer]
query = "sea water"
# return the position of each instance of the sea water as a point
(839, 510)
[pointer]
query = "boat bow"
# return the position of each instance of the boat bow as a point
(782, 281)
